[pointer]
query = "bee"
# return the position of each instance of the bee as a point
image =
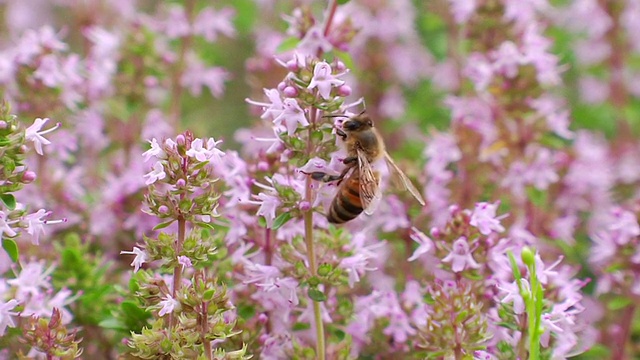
(360, 190)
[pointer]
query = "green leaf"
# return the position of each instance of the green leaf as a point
(208, 295)
(281, 220)
(508, 325)
(342, 2)
(537, 197)
(618, 303)
(246, 311)
(288, 44)
(9, 200)
(317, 295)
(112, 323)
(346, 58)
(10, 246)
(163, 225)
(301, 326)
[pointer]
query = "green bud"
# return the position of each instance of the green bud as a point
(325, 269)
(528, 256)
(314, 281)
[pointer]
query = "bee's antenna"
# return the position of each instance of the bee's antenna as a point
(333, 116)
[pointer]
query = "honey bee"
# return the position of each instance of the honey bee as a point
(361, 189)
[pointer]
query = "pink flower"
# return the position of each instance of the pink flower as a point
(460, 256)
(4, 225)
(33, 280)
(35, 226)
(462, 10)
(156, 174)
(141, 257)
(156, 151)
(273, 109)
(314, 42)
(323, 80)
(34, 134)
(209, 23)
(168, 305)
(424, 243)
(205, 152)
(484, 218)
(291, 116)
(513, 295)
(6, 314)
(184, 261)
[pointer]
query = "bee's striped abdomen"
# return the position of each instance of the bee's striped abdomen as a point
(347, 204)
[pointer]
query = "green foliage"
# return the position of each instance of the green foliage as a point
(10, 246)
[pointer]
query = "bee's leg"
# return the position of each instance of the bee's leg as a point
(341, 133)
(324, 177)
(350, 161)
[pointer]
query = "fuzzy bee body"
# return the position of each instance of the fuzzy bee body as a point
(360, 191)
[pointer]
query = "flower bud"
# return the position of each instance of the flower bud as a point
(181, 183)
(3, 124)
(290, 91)
(527, 256)
(304, 205)
(281, 86)
(28, 177)
(344, 90)
(180, 139)
(163, 209)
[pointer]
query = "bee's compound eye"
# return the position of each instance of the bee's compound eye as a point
(351, 125)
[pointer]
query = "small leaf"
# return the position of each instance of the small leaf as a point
(301, 326)
(9, 200)
(317, 295)
(246, 311)
(281, 220)
(508, 325)
(113, 324)
(163, 225)
(10, 246)
(618, 303)
(208, 295)
(288, 44)
(342, 2)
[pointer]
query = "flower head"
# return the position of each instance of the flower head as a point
(34, 134)
(484, 218)
(460, 256)
(323, 80)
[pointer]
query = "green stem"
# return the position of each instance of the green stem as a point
(308, 237)
(177, 271)
(534, 316)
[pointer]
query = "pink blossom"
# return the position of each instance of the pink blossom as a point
(156, 174)
(32, 280)
(460, 257)
(155, 150)
(513, 295)
(484, 218)
(463, 9)
(291, 116)
(6, 314)
(35, 225)
(141, 257)
(4, 225)
(314, 42)
(424, 243)
(34, 134)
(324, 80)
(209, 23)
(168, 305)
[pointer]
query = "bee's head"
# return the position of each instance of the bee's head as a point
(359, 122)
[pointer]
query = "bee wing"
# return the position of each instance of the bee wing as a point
(404, 180)
(370, 194)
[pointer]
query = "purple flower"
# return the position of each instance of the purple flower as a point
(141, 257)
(323, 80)
(484, 218)
(460, 257)
(203, 153)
